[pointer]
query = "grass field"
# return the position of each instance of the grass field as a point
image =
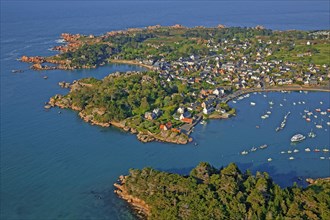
(320, 54)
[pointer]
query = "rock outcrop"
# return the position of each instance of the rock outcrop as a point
(137, 204)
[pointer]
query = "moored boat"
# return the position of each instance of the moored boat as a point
(269, 159)
(311, 134)
(319, 126)
(297, 138)
(307, 149)
(244, 152)
(291, 158)
(263, 146)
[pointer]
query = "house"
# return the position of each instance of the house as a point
(187, 120)
(162, 127)
(207, 103)
(157, 112)
(193, 106)
(209, 110)
(166, 126)
(219, 91)
(181, 110)
(185, 115)
(149, 115)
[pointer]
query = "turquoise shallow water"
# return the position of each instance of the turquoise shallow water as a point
(58, 167)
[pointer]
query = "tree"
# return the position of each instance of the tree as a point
(144, 104)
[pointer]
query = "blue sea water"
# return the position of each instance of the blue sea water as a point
(55, 166)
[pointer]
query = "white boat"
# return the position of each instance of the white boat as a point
(325, 150)
(307, 149)
(294, 103)
(271, 103)
(253, 149)
(319, 126)
(269, 112)
(321, 103)
(282, 152)
(265, 96)
(315, 116)
(203, 122)
(309, 113)
(299, 103)
(322, 158)
(244, 152)
(289, 151)
(252, 103)
(297, 138)
(281, 105)
(263, 117)
(303, 102)
(328, 123)
(305, 110)
(291, 158)
(263, 146)
(234, 101)
(269, 159)
(295, 151)
(323, 113)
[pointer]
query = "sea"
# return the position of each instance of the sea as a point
(55, 166)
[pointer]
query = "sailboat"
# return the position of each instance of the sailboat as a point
(311, 134)
(319, 126)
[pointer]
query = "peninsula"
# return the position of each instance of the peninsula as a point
(191, 74)
(209, 193)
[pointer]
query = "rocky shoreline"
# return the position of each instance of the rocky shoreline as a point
(315, 181)
(140, 206)
(145, 137)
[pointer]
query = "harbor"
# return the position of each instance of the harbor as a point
(279, 122)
